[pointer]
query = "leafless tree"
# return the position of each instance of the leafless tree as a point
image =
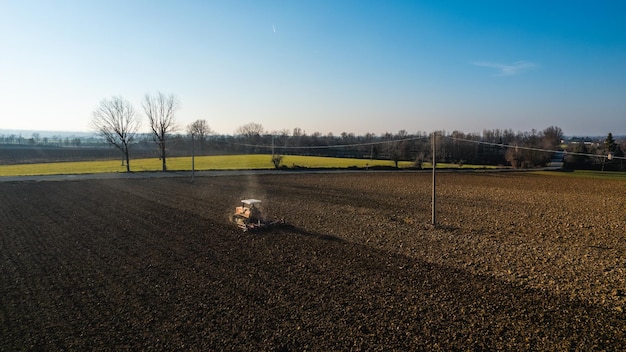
(251, 134)
(398, 146)
(161, 111)
(200, 130)
(250, 130)
(552, 137)
(116, 121)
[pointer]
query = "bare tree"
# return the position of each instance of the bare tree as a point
(552, 137)
(199, 129)
(116, 121)
(251, 134)
(397, 147)
(250, 130)
(161, 110)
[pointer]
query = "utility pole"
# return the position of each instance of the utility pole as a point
(434, 195)
(193, 158)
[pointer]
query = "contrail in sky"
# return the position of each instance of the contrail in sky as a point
(274, 28)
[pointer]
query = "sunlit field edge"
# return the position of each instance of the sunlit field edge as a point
(215, 162)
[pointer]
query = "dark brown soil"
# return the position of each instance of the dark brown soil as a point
(518, 262)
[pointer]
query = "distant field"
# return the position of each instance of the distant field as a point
(218, 162)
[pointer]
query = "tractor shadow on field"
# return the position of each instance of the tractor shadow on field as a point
(290, 229)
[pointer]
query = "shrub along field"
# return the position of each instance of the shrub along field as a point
(517, 262)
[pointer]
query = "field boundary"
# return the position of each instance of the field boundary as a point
(238, 172)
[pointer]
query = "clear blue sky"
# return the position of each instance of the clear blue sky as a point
(323, 66)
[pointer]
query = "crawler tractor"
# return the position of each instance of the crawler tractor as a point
(248, 216)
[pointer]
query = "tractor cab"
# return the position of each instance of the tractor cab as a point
(249, 209)
(248, 216)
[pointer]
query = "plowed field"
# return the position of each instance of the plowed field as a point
(518, 262)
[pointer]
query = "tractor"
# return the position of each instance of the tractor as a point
(248, 216)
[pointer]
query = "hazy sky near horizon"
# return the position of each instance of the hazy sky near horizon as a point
(320, 65)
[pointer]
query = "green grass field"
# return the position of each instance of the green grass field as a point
(245, 162)
(217, 162)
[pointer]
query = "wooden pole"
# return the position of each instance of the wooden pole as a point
(193, 158)
(434, 195)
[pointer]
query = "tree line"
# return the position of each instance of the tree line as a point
(55, 140)
(118, 123)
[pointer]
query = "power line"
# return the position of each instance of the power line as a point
(364, 144)
(537, 149)
(263, 146)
